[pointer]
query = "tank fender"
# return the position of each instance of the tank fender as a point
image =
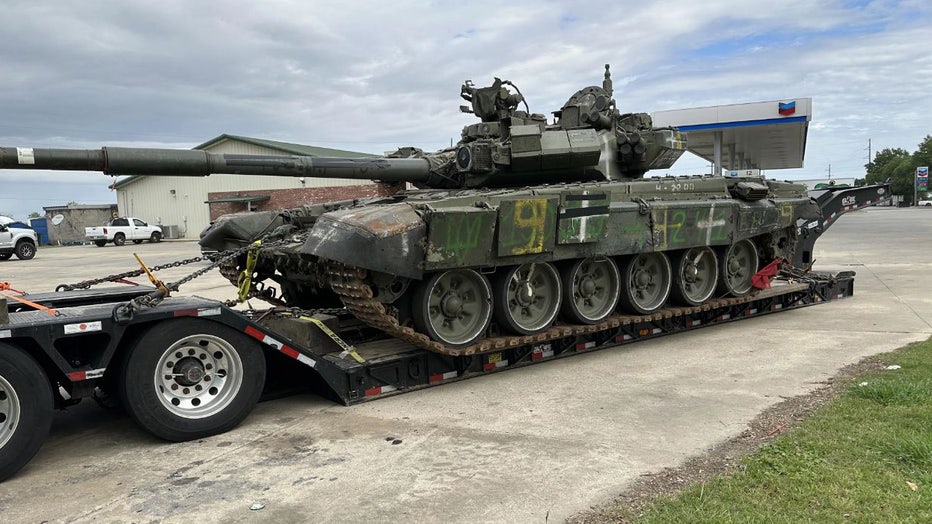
(387, 238)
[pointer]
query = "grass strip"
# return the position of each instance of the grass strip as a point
(865, 457)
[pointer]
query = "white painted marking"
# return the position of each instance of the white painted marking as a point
(94, 373)
(306, 360)
(25, 156)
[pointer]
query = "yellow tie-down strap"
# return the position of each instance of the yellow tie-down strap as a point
(347, 349)
(244, 282)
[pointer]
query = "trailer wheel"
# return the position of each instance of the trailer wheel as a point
(191, 378)
(26, 406)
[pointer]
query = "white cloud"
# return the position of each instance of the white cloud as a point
(374, 76)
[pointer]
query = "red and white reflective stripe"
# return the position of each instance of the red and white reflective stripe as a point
(285, 349)
(726, 316)
(82, 327)
(77, 376)
(647, 332)
(6, 333)
(493, 365)
(202, 312)
(622, 338)
(440, 377)
(542, 351)
(585, 346)
(693, 323)
(774, 307)
(378, 390)
(830, 218)
(750, 311)
(839, 296)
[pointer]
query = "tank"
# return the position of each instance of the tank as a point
(526, 230)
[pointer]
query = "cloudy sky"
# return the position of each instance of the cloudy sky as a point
(372, 76)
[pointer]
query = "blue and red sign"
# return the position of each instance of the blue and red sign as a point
(787, 108)
(922, 179)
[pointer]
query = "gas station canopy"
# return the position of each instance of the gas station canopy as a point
(757, 135)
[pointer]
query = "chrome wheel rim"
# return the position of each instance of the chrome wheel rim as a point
(198, 376)
(9, 411)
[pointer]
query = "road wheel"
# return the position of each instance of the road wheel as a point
(156, 237)
(527, 297)
(695, 273)
(100, 243)
(119, 239)
(590, 290)
(191, 378)
(137, 241)
(26, 406)
(646, 281)
(25, 250)
(737, 265)
(453, 307)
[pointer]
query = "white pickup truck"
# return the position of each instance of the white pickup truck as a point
(17, 238)
(119, 230)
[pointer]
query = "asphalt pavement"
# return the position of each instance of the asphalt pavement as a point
(534, 444)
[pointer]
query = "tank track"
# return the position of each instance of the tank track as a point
(349, 283)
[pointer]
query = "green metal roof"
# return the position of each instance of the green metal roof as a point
(285, 147)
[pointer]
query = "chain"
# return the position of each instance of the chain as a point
(127, 310)
(85, 284)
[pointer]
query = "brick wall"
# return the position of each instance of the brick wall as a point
(289, 198)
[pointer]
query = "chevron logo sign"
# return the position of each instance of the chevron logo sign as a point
(787, 108)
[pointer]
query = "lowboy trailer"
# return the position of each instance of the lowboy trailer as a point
(192, 367)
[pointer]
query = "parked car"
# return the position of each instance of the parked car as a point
(119, 230)
(925, 203)
(16, 238)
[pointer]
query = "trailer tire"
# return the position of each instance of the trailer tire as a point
(26, 408)
(191, 378)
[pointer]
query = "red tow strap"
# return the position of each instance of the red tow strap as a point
(761, 279)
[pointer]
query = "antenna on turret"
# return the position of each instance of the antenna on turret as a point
(607, 83)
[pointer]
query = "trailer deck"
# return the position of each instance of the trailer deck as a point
(83, 344)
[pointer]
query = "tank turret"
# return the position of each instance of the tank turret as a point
(590, 140)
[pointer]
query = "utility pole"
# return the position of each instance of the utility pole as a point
(869, 159)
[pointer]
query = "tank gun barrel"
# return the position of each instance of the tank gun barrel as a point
(118, 161)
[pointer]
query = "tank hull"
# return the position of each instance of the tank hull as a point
(396, 245)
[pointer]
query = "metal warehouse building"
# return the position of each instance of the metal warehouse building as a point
(182, 201)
